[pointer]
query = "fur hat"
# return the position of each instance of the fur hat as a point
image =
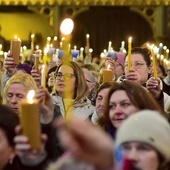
(148, 127)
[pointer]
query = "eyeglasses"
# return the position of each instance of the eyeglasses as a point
(66, 76)
(136, 65)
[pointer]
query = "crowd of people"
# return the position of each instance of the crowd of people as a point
(87, 124)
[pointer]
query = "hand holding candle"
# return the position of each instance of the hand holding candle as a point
(15, 48)
(30, 120)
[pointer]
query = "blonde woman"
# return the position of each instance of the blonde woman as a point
(16, 89)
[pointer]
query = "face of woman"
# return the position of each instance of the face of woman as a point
(65, 80)
(143, 156)
(100, 101)
(138, 64)
(15, 93)
(6, 151)
(120, 107)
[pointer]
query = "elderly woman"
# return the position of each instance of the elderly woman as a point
(16, 89)
(101, 96)
(141, 72)
(92, 85)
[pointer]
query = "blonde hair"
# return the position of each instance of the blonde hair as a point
(24, 79)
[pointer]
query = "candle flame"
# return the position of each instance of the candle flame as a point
(55, 38)
(81, 49)
(87, 35)
(108, 67)
(90, 50)
(130, 39)
(46, 50)
(75, 47)
(48, 38)
(30, 96)
(32, 36)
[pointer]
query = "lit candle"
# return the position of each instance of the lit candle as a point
(69, 47)
(46, 50)
(36, 61)
(61, 45)
(55, 42)
(43, 76)
(0, 47)
(87, 40)
(48, 40)
(32, 41)
(109, 46)
(74, 53)
(129, 53)
(154, 63)
(30, 119)
(15, 48)
(81, 55)
(107, 75)
(167, 54)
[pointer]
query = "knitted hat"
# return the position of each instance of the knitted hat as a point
(25, 67)
(121, 58)
(148, 127)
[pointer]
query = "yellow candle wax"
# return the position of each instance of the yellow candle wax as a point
(36, 61)
(30, 120)
(107, 75)
(55, 43)
(129, 53)
(87, 40)
(43, 76)
(32, 41)
(15, 48)
(154, 64)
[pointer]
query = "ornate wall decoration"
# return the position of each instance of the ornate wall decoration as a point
(85, 2)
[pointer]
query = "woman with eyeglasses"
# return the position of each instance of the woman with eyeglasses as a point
(141, 73)
(71, 91)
